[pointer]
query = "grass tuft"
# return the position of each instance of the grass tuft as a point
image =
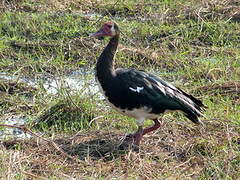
(71, 114)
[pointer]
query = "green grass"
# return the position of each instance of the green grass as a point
(193, 44)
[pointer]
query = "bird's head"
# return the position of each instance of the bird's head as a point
(108, 29)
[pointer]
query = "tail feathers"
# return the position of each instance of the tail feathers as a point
(193, 117)
(197, 103)
(194, 108)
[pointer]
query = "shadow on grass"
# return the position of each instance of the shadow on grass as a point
(103, 148)
(106, 147)
(95, 149)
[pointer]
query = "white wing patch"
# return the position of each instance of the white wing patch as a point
(138, 89)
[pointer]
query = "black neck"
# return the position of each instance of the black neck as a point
(105, 68)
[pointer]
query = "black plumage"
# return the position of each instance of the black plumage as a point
(156, 94)
(137, 93)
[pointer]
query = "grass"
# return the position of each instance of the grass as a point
(194, 44)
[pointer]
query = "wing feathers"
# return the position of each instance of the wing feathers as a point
(159, 93)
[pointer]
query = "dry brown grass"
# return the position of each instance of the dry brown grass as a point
(192, 9)
(227, 89)
(175, 151)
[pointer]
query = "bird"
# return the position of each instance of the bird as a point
(136, 93)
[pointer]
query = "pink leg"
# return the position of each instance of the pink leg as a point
(152, 128)
(137, 136)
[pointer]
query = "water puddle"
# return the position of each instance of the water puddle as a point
(8, 133)
(76, 81)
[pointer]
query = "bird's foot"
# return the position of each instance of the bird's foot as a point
(132, 141)
(134, 138)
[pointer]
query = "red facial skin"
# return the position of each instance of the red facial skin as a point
(104, 31)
